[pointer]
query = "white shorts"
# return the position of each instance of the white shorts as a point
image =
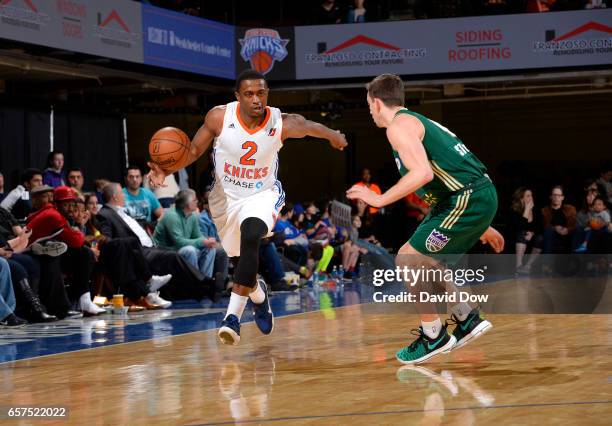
(228, 214)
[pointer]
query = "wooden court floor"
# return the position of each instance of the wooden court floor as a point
(334, 366)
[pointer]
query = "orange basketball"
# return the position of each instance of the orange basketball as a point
(169, 148)
(261, 62)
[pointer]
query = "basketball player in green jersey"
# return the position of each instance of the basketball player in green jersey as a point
(436, 165)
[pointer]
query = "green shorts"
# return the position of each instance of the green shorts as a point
(456, 223)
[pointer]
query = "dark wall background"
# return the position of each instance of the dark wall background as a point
(93, 142)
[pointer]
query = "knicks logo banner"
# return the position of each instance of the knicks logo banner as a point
(262, 47)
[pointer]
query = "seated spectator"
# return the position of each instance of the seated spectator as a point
(558, 221)
(179, 230)
(272, 267)
(18, 200)
(350, 249)
(598, 221)
(78, 261)
(140, 203)
(165, 194)
(525, 226)
(41, 196)
(76, 180)
(25, 274)
(54, 173)
(294, 242)
(356, 13)
(366, 230)
(366, 180)
(187, 282)
(7, 298)
(2, 193)
(209, 230)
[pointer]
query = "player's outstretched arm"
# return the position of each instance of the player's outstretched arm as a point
(405, 135)
(296, 126)
(202, 140)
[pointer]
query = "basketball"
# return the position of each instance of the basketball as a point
(169, 147)
(261, 61)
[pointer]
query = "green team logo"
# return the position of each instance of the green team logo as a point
(430, 199)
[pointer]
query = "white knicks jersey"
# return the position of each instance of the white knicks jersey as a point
(246, 160)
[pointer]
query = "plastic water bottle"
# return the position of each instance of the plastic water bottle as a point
(334, 274)
(340, 273)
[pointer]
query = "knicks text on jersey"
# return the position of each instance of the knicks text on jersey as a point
(246, 160)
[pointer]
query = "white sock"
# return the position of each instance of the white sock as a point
(236, 305)
(158, 281)
(87, 305)
(461, 310)
(432, 329)
(257, 296)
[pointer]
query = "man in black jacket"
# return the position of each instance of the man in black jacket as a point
(187, 282)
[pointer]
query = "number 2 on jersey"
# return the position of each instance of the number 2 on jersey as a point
(246, 159)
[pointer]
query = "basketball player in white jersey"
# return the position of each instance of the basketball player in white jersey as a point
(246, 195)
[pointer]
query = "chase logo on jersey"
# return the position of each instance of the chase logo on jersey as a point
(262, 47)
(436, 241)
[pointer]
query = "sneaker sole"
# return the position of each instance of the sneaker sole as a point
(478, 331)
(443, 349)
(228, 336)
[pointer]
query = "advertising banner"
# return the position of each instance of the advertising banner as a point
(486, 43)
(110, 28)
(186, 43)
(269, 51)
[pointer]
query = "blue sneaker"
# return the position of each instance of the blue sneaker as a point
(262, 312)
(229, 332)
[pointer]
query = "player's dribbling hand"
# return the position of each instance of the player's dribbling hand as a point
(494, 239)
(365, 194)
(156, 176)
(339, 142)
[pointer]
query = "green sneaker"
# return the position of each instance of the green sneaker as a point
(470, 329)
(424, 348)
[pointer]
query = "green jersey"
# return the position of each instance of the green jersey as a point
(453, 165)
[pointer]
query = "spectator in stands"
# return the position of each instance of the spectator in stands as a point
(350, 249)
(525, 225)
(366, 230)
(2, 193)
(18, 200)
(272, 267)
(41, 196)
(356, 13)
(538, 6)
(165, 194)
(140, 203)
(25, 274)
(79, 260)
(179, 230)
(294, 242)
(366, 180)
(598, 221)
(558, 221)
(54, 174)
(327, 12)
(7, 298)
(187, 282)
(605, 180)
(76, 180)
(209, 229)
